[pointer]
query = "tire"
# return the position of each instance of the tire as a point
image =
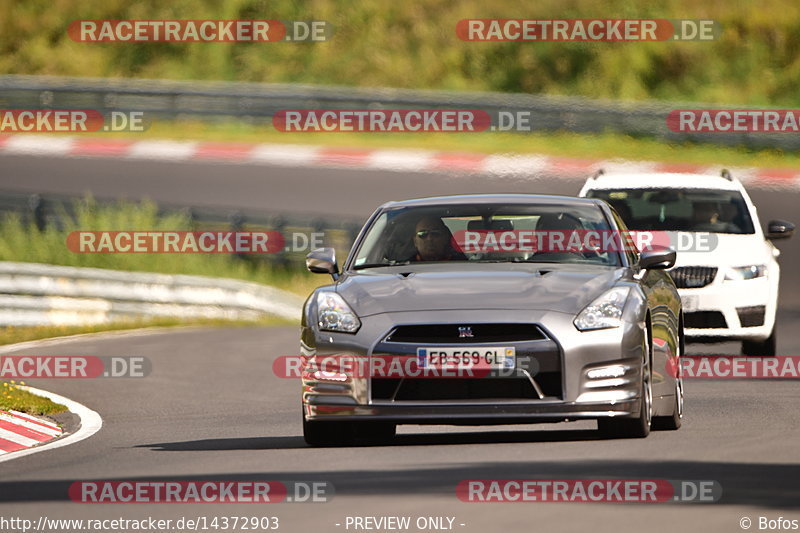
(673, 422)
(332, 433)
(639, 427)
(765, 348)
(327, 433)
(374, 432)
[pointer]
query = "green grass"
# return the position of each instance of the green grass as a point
(14, 397)
(414, 45)
(25, 243)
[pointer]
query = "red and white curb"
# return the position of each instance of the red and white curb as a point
(19, 431)
(497, 165)
(22, 434)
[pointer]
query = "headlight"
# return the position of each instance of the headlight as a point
(604, 312)
(746, 272)
(333, 314)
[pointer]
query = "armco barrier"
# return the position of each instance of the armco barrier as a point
(258, 102)
(38, 294)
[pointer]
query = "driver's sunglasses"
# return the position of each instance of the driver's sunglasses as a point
(424, 234)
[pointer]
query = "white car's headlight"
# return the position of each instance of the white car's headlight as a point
(605, 311)
(333, 314)
(746, 272)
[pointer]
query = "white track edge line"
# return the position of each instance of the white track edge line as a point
(91, 422)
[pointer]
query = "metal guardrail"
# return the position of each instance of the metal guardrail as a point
(49, 210)
(258, 102)
(37, 294)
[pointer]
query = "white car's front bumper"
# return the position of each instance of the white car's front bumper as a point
(730, 309)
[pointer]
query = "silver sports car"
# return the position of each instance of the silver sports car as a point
(491, 309)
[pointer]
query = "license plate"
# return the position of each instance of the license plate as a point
(491, 357)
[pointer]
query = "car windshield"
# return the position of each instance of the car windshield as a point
(692, 210)
(484, 233)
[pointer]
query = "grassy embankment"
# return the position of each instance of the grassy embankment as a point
(414, 45)
(25, 243)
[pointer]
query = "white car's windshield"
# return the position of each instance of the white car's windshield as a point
(693, 210)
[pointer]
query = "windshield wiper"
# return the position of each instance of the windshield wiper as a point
(514, 261)
(378, 265)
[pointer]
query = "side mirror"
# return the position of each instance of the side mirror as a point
(657, 258)
(779, 229)
(323, 261)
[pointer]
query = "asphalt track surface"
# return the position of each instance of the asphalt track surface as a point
(213, 410)
(342, 193)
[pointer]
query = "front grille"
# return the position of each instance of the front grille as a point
(453, 333)
(704, 320)
(750, 317)
(692, 277)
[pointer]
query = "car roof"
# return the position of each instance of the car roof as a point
(662, 180)
(485, 199)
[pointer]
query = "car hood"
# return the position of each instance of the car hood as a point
(722, 249)
(564, 290)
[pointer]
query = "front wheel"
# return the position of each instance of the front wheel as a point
(630, 428)
(328, 433)
(673, 422)
(334, 433)
(375, 432)
(765, 348)
(639, 427)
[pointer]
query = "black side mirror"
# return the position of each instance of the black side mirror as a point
(323, 261)
(657, 258)
(779, 229)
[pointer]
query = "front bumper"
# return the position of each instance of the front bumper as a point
(724, 308)
(352, 397)
(473, 413)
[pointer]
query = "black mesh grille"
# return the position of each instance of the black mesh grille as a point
(692, 277)
(704, 320)
(751, 317)
(460, 333)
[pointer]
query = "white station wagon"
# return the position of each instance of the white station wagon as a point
(726, 271)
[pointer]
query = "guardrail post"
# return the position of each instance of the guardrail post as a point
(191, 218)
(280, 258)
(237, 224)
(36, 206)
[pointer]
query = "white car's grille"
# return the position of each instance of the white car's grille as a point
(693, 277)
